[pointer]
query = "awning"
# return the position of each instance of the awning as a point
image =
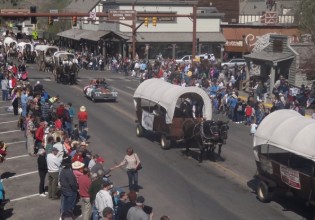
(287, 130)
(77, 34)
(166, 95)
(270, 56)
(173, 37)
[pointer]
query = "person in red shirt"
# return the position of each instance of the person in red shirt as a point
(39, 135)
(60, 109)
(248, 114)
(58, 123)
(84, 183)
(82, 117)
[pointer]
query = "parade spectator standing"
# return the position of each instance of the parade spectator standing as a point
(49, 145)
(30, 130)
(84, 183)
(137, 213)
(108, 213)
(38, 88)
(253, 128)
(42, 171)
(77, 168)
(5, 88)
(82, 118)
(24, 102)
(123, 198)
(132, 196)
(61, 149)
(39, 135)
(131, 160)
(96, 185)
(103, 198)
(248, 114)
(53, 164)
(71, 111)
(16, 100)
(68, 187)
(99, 161)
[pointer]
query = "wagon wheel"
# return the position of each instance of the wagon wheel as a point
(263, 192)
(165, 143)
(139, 130)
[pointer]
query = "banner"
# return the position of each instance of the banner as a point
(290, 177)
(147, 120)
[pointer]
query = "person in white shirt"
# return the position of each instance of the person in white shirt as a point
(253, 128)
(53, 165)
(61, 149)
(103, 198)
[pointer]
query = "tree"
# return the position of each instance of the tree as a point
(305, 18)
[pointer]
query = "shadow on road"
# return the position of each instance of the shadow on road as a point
(6, 214)
(7, 175)
(288, 203)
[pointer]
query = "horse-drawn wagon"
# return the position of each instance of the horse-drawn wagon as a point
(64, 69)
(10, 47)
(176, 114)
(44, 56)
(285, 156)
(26, 51)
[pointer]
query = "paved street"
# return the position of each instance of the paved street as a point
(172, 183)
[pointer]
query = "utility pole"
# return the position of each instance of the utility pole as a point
(194, 38)
(133, 34)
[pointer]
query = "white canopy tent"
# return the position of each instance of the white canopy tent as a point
(166, 95)
(289, 131)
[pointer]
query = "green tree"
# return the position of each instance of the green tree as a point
(305, 17)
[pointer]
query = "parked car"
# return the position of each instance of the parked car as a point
(232, 63)
(188, 58)
(185, 59)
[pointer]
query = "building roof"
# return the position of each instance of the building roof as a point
(151, 2)
(82, 5)
(257, 7)
(173, 37)
(77, 34)
(270, 56)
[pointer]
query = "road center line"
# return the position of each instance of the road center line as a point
(128, 87)
(5, 132)
(6, 122)
(11, 158)
(24, 174)
(24, 197)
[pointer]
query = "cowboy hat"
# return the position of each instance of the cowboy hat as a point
(77, 165)
(82, 108)
(84, 144)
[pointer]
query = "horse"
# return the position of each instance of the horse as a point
(207, 135)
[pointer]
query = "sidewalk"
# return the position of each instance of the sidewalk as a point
(268, 104)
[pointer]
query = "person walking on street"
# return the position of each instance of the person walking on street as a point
(53, 164)
(82, 118)
(42, 171)
(68, 186)
(131, 160)
(84, 183)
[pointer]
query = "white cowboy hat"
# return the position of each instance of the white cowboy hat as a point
(84, 144)
(82, 108)
(77, 165)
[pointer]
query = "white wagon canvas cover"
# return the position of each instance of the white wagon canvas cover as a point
(166, 95)
(287, 130)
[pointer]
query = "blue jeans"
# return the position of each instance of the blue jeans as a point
(133, 179)
(68, 127)
(24, 109)
(95, 215)
(68, 200)
(5, 95)
(82, 126)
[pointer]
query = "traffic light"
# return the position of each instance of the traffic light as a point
(146, 21)
(154, 20)
(33, 18)
(74, 21)
(50, 21)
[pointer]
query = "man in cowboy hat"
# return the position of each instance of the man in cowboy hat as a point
(82, 118)
(77, 168)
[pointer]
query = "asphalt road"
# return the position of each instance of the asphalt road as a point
(172, 183)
